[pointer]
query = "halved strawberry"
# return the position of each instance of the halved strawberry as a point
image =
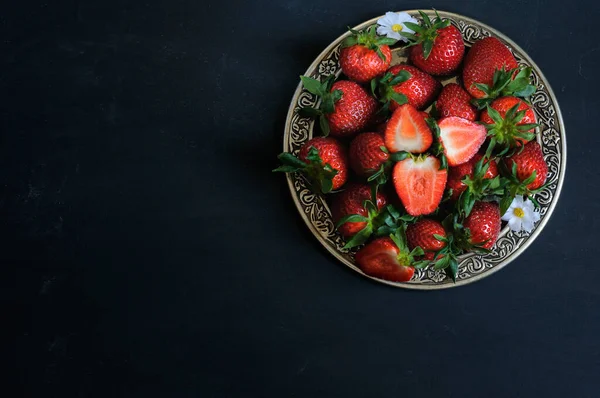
(420, 184)
(408, 131)
(389, 258)
(380, 259)
(460, 138)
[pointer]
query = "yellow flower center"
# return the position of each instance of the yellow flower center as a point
(397, 27)
(518, 212)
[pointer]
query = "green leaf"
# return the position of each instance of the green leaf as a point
(470, 202)
(290, 160)
(444, 162)
(312, 85)
(350, 41)
(399, 98)
(452, 269)
(442, 263)
(324, 123)
(337, 95)
(386, 41)
(326, 185)
(483, 87)
(490, 148)
(377, 175)
(410, 36)
(421, 264)
(531, 178)
(527, 126)
(511, 113)
(439, 237)
(407, 218)
(360, 238)
(286, 169)
(401, 77)
(427, 47)
(384, 230)
(414, 27)
(309, 112)
(351, 218)
(393, 212)
(505, 203)
(526, 92)
(399, 156)
(327, 105)
(380, 54)
(425, 17)
(374, 87)
(494, 114)
(417, 251)
(384, 149)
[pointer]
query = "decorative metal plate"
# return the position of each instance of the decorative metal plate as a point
(550, 135)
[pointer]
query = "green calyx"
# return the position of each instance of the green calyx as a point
(514, 186)
(506, 82)
(406, 257)
(437, 149)
(369, 38)
(328, 100)
(380, 176)
(319, 175)
(506, 131)
(479, 188)
(383, 89)
(377, 222)
(425, 34)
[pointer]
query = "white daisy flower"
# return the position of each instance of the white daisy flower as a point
(392, 23)
(521, 215)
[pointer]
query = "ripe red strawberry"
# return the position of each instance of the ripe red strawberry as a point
(346, 108)
(420, 184)
(457, 173)
(483, 59)
(415, 87)
(421, 234)
(353, 111)
(366, 155)
(408, 131)
(352, 201)
(364, 55)
(455, 101)
(460, 138)
(530, 159)
(381, 258)
(322, 160)
(440, 47)
(512, 124)
(484, 223)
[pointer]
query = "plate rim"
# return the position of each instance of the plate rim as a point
(514, 255)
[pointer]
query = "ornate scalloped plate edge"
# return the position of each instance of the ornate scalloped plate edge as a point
(551, 135)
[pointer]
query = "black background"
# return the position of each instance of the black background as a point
(147, 250)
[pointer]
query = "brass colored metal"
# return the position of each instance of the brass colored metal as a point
(551, 136)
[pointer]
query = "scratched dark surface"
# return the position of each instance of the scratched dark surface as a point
(147, 251)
